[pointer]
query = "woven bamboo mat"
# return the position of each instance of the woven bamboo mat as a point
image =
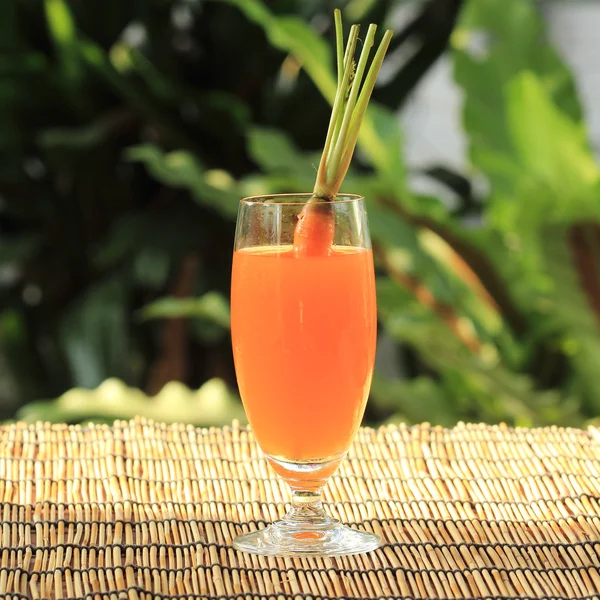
(146, 510)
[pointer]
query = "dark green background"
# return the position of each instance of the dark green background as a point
(129, 131)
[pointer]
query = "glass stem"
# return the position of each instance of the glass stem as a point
(306, 507)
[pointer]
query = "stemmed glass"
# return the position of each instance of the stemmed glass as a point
(303, 327)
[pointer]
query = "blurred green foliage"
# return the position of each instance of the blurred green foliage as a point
(129, 131)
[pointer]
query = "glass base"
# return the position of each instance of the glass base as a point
(305, 474)
(323, 537)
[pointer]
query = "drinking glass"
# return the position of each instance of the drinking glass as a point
(303, 326)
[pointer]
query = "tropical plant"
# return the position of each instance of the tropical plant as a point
(120, 200)
(483, 315)
(87, 238)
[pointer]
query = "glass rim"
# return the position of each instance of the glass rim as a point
(303, 198)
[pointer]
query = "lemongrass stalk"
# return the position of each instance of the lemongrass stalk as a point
(337, 111)
(344, 89)
(349, 106)
(367, 90)
(341, 141)
(361, 106)
(339, 44)
(314, 232)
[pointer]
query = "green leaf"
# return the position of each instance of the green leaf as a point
(161, 86)
(18, 249)
(94, 334)
(125, 236)
(275, 153)
(479, 384)
(96, 58)
(382, 139)
(152, 266)
(151, 243)
(403, 247)
(551, 147)
(424, 258)
(389, 228)
(183, 170)
(495, 41)
(211, 405)
(549, 177)
(209, 314)
(64, 34)
(357, 9)
(572, 265)
(415, 401)
(76, 138)
(291, 34)
(526, 135)
(86, 136)
(211, 306)
(218, 101)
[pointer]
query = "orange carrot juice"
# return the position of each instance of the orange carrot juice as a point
(304, 331)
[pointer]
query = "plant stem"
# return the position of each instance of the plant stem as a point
(315, 229)
(349, 106)
(339, 43)
(342, 139)
(337, 111)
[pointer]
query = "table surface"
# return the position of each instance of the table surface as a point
(148, 510)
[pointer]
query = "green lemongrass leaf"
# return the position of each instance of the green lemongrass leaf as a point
(347, 88)
(349, 106)
(333, 170)
(338, 108)
(350, 79)
(336, 114)
(339, 43)
(367, 90)
(351, 48)
(344, 87)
